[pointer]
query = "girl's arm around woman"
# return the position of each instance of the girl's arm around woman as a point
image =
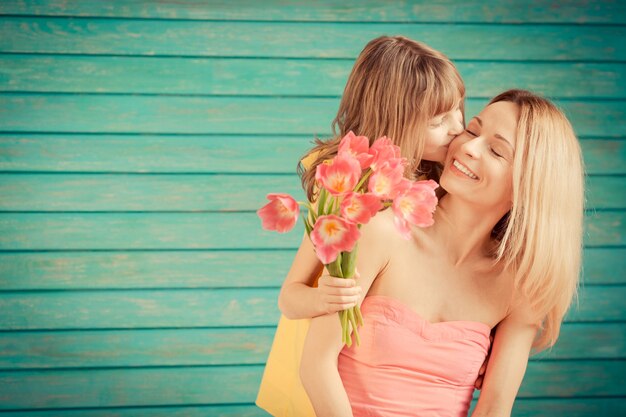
(507, 364)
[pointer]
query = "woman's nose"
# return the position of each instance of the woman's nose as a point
(472, 147)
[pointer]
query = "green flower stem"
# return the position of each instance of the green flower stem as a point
(348, 262)
(363, 179)
(307, 226)
(344, 267)
(345, 332)
(354, 325)
(330, 202)
(335, 267)
(359, 317)
(322, 201)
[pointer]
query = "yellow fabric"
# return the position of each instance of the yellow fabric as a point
(281, 393)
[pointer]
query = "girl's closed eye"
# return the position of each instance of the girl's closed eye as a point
(496, 153)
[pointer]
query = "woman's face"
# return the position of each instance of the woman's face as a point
(479, 165)
(440, 131)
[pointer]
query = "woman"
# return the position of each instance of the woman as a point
(504, 250)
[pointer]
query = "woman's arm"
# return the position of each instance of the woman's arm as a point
(318, 367)
(507, 364)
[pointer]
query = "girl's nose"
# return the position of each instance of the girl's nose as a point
(456, 125)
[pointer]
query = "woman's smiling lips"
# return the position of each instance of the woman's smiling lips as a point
(461, 170)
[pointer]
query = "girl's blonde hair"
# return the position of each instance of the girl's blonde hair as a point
(396, 86)
(541, 237)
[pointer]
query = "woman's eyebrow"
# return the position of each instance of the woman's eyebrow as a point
(497, 136)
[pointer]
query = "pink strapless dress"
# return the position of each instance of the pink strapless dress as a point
(407, 366)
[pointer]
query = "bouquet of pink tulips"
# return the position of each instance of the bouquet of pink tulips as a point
(353, 187)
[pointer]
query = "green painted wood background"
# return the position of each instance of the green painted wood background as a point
(138, 138)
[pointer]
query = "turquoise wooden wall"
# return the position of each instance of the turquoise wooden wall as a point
(137, 139)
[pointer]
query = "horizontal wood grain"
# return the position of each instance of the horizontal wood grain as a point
(264, 154)
(94, 192)
(201, 269)
(524, 407)
(228, 346)
(125, 309)
(283, 77)
(305, 39)
(239, 384)
(487, 11)
(195, 230)
(231, 115)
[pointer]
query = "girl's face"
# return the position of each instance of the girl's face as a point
(479, 165)
(440, 131)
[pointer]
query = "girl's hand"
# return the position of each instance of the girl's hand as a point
(337, 294)
(481, 372)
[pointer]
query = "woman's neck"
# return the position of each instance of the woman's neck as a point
(464, 229)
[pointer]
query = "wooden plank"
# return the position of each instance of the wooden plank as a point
(562, 379)
(246, 410)
(488, 11)
(200, 269)
(605, 192)
(144, 192)
(124, 231)
(604, 227)
(239, 384)
(204, 154)
(117, 309)
(231, 115)
(136, 348)
(163, 269)
(283, 77)
(153, 154)
(126, 387)
(524, 407)
(604, 156)
(571, 407)
(588, 341)
(139, 309)
(305, 40)
(195, 347)
(96, 192)
(604, 266)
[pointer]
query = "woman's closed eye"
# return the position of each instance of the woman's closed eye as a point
(470, 132)
(496, 153)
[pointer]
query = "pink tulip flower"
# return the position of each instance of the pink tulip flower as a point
(383, 150)
(280, 214)
(359, 208)
(358, 147)
(415, 205)
(332, 235)
(339, 175)
(386, 180)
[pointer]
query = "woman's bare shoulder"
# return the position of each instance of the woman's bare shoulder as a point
(381, 228)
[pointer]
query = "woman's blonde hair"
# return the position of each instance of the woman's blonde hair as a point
(396, 86)
(541, 237)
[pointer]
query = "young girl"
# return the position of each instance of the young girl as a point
(504, 250)
(408, 92)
